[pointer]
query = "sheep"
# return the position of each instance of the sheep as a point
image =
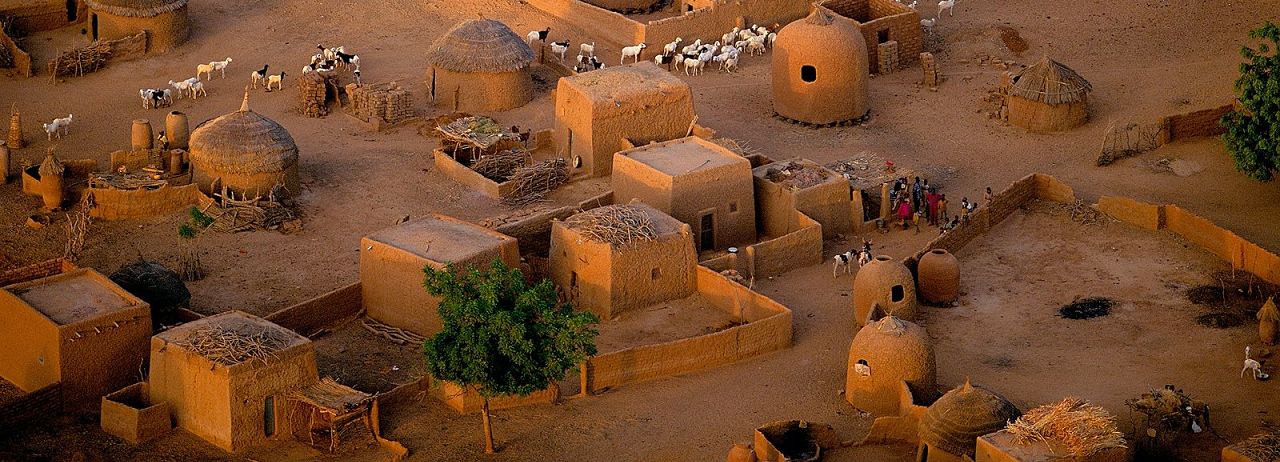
(182, 87)
(912, 5)
(329, 53)
(204, 69)
(278, 80)
(692, 47)
(695, 64)
(260, 75)
(670, 48)
(841, 260)
(633, 52)
(928, 23)
(730, 65)
(220, 66)
(588, 49)
(560, 48)
(537, 35)
(948, 5)
(197, 89)
(745, 34)
(729, 37)
(190, 85)
(769, 39)
(755, 45)
(59, 126)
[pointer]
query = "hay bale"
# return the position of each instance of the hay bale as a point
(155, 284)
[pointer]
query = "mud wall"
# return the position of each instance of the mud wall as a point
(124, 204)
(709, 24)
(768, 328)
(103, 354)
(593, 20)
(798, 249)
(42, 403)
(21, 59)
(1194, 124)
(312, 316)
(30, 353)
(468, 401)
(36, 271)
(469, 178)
(533, 232)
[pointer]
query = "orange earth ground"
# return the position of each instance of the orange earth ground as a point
(1145, 58)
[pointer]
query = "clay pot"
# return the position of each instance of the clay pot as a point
(141, 136)
(175, 162)
(939, 277)
(740, 453)
(175, 126)
(4, 164)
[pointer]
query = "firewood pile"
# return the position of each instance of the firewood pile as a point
(313, 91)
(385, 101)
(394, 334)
(502, 165)
(231, 215)
(230, 347)
(533, 183)
(81, 61)
(619, 225)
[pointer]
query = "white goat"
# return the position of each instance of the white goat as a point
(1250, 364)
(220, 66)
(588, 49)
(928, 23)
(755, 45)
(948, 5)
(148, 97)
(260, 75)
(842, 260)
(693, 63)
(197, 89)
(277, 80)
(59, 126)
(182, 87)
(632, 52)
(537, 35)
(671, 47)
(560, 48)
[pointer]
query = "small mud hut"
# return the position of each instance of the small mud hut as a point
(886, 356)
(950, 428)
(820, 70)
(165, 21)
(480, 65)
(245, 152)
(1047, 97)
(883, 287)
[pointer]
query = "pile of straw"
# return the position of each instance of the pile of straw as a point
(532, 183)
(81, 61)
(1263, 447)
(501, 166)
(51, 166)
(230, 347)
(619, 225)
(1168, 408)
(1072, 424)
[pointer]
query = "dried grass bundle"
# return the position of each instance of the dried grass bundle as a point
(230, 347)
(51, 166)
(619, 225)
(532, 183)
(1263, 447)
(502, 165)
(1072, 424)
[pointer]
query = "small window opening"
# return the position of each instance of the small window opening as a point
(862, 368)
(808, 73)
(897, 293)
(655, 274)
(882, 36)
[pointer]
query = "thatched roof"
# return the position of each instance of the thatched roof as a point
(1050, 82)
(1268, 311)
(954, 422)
(821, 16)
(243, 142)
(136, 8)
(481, 45)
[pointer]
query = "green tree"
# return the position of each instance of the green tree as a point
(189, 233)
(1253, 134)
(501, 336)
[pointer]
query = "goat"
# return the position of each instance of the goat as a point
(588, 49)
(220, 66)
(632, 52)
(278, 80)
(842, 260)
(596, 63)
(182, 86)
(560, 48)
(755, 45)
(204, 69)
(948, 5)
(356, 74)
(260, 75)
(59, 126)
(769, 39)
(928, 23)
(148, 97)
(665, 58)
(345, 60)
(913, 4)
(864, 256)
(671, 47)
(197, 89)
(1254, 365)
(538, 35)
(163, 97)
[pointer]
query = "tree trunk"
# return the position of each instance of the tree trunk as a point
(488, 429)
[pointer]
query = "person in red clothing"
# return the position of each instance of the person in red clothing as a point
(904, 212)
(932, 199)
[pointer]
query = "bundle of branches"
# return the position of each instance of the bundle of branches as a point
(532, 183)
(795, 175)
(619, 225)
(499, 167)
(77, 229)
(394, 334)
(1080, 428)
(230, 347)
(231, 215)
(1264, 447)
(81, 61)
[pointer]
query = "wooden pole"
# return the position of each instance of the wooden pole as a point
(488, 429)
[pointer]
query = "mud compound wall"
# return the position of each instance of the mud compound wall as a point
(22, 411)
(709, 24)
(533, 232)
(36, 271)
(102, 355)
(767, 328)
(314, 315)
(21, 59)
(469, 178)
(1194, 124)
(124, 204)
(797, 249)
(468, 401)
(887, 18)
(593, 20)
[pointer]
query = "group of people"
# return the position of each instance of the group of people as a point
(915, 201)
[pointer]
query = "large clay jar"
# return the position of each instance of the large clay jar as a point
(939, 277)
(140, 136)
(51, 171)
(883, 287)
(1268, 323)
(741, 453)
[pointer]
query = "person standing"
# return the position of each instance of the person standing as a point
(942, 207)
(904, 212)
(964, 210)
(931, 199)
(917, 194)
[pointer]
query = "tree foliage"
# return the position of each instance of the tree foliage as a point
(1253, 134)
(502, 335)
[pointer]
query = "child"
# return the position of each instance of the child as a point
(988, 196)
(915, 219)
(964, 209)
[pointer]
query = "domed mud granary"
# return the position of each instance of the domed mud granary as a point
(820, 70)
(246, 152)
(1048, 97)
(883, 287)
(938, 275)
(480, 65)
(950, 428)
(165, 21)
(884, 355)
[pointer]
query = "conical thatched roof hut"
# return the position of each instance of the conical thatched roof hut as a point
(480, 65)
(950, 427)
(885, 355)
(1048, 96)
(165, 21)
(820, 70)
(244, 151)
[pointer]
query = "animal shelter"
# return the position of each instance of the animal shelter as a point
(165, 21)
(227, 377)
(695, 181)
(244, 152)
(602, 112)
(950, 428)
(820, 71)
(1047, 97)
(622, 257)
(76, 328)
(392, 259)
(883, 22)
(480, 65)
(885, 356)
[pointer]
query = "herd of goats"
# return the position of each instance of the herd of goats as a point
(326, 61)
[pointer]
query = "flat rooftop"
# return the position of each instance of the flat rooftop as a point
(72, 297)
(238, 322)
(685, 155)
(441, 239)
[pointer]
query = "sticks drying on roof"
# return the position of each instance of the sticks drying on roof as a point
(1262, 447)
(230, 347)
(619, 225)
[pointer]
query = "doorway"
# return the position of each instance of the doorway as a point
(433, 85)
(707, 232)
(72, 7)
(94, 25)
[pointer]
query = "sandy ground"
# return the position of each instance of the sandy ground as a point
(1145, 58)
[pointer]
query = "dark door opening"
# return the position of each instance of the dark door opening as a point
(433, 85)
(72, 7)
(94, 26)
(707, 233)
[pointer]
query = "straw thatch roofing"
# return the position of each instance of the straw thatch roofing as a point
(1268, 311)
(243, 142)
(821, 16)
(954, 422)
(479, 131)
(136, 8)
(1050, 82)
(481, 45)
